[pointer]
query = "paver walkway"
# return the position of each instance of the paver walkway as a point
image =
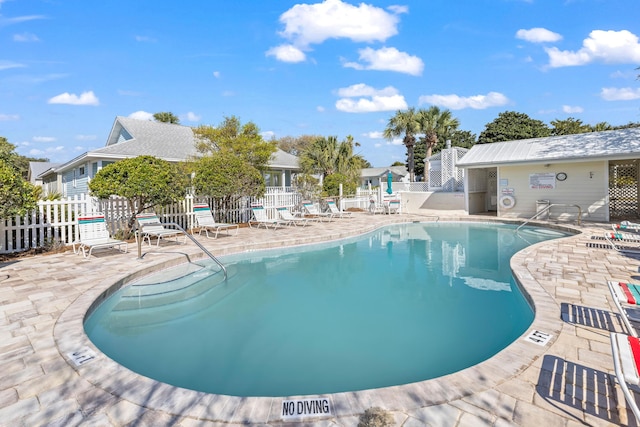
(568, 382)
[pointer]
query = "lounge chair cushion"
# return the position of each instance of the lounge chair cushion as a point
(629, 357)
(628, 292)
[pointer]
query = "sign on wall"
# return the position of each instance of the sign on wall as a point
(542, 181)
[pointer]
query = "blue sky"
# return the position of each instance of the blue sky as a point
(333, 67)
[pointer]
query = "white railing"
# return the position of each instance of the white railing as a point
(53, 223)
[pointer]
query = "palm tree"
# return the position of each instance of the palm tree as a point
(326, 156)
(320, 156)
(405, 123)
(166, 117)
(435, 124)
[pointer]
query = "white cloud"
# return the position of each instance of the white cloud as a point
(50, 150)
(362, 89)
(571, 109)
(374, 135)
(388, 59)
(85, 98)
(307, 24)
(216, 74)
(604, 46)
(619, 94)
(538, 35)
(6, 65)
(145, 39)
(320, 109)
(128, 93)
(192, 117)
(44, 139)
(9, 117)
(369, 99)
(141, 115)
(19, 19)
(373, 104)
(25, 37)
(269, 134)
(397, 9)
(455, 102)
(86, 137)
(287, 53)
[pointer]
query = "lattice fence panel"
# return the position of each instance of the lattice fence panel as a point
(623, 190)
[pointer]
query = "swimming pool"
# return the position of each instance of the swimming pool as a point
(403, 304)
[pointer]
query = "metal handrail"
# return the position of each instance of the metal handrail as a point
(546, 209)
(198, 244)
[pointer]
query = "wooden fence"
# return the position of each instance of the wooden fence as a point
(53, 223)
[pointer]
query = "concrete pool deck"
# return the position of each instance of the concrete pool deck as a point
(566, 382)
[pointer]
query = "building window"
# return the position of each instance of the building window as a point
(81, 171)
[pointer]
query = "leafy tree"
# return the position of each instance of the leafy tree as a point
(463, 138)
(145, 181)
(397, 164)
(419, 155)
(307, 185)
(17, 196)
(224, 175)
(17, 161)
(166, 117)
(331, 185)
(242, 140)
(510, 126)
(569, 126)
(296, 145)
(405, 123)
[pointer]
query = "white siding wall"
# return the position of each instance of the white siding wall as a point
(586, 185)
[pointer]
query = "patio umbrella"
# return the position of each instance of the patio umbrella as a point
(389, 181)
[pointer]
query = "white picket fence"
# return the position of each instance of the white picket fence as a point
(54, 222)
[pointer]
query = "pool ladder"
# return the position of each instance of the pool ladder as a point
(198, 244)
(546, 209)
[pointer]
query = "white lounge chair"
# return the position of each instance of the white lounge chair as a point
(261, 219)
(149, 226)
(94, 234)
(633, 227)
(393, 206)
(626, 297)
(287, 216)
(205, 221)
(626, 354)
(623, 241)
(333, 208)
(315, 213)
(375, 207)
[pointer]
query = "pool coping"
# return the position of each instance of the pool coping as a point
(120, 381)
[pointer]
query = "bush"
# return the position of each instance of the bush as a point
(331, 185)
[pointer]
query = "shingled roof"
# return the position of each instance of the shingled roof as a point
(132, 137)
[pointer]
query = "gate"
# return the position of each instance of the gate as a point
(623, 189)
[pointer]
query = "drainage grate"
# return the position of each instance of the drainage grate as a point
(538, 337)
(82, 356)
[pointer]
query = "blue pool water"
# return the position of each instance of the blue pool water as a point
(405, 303)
